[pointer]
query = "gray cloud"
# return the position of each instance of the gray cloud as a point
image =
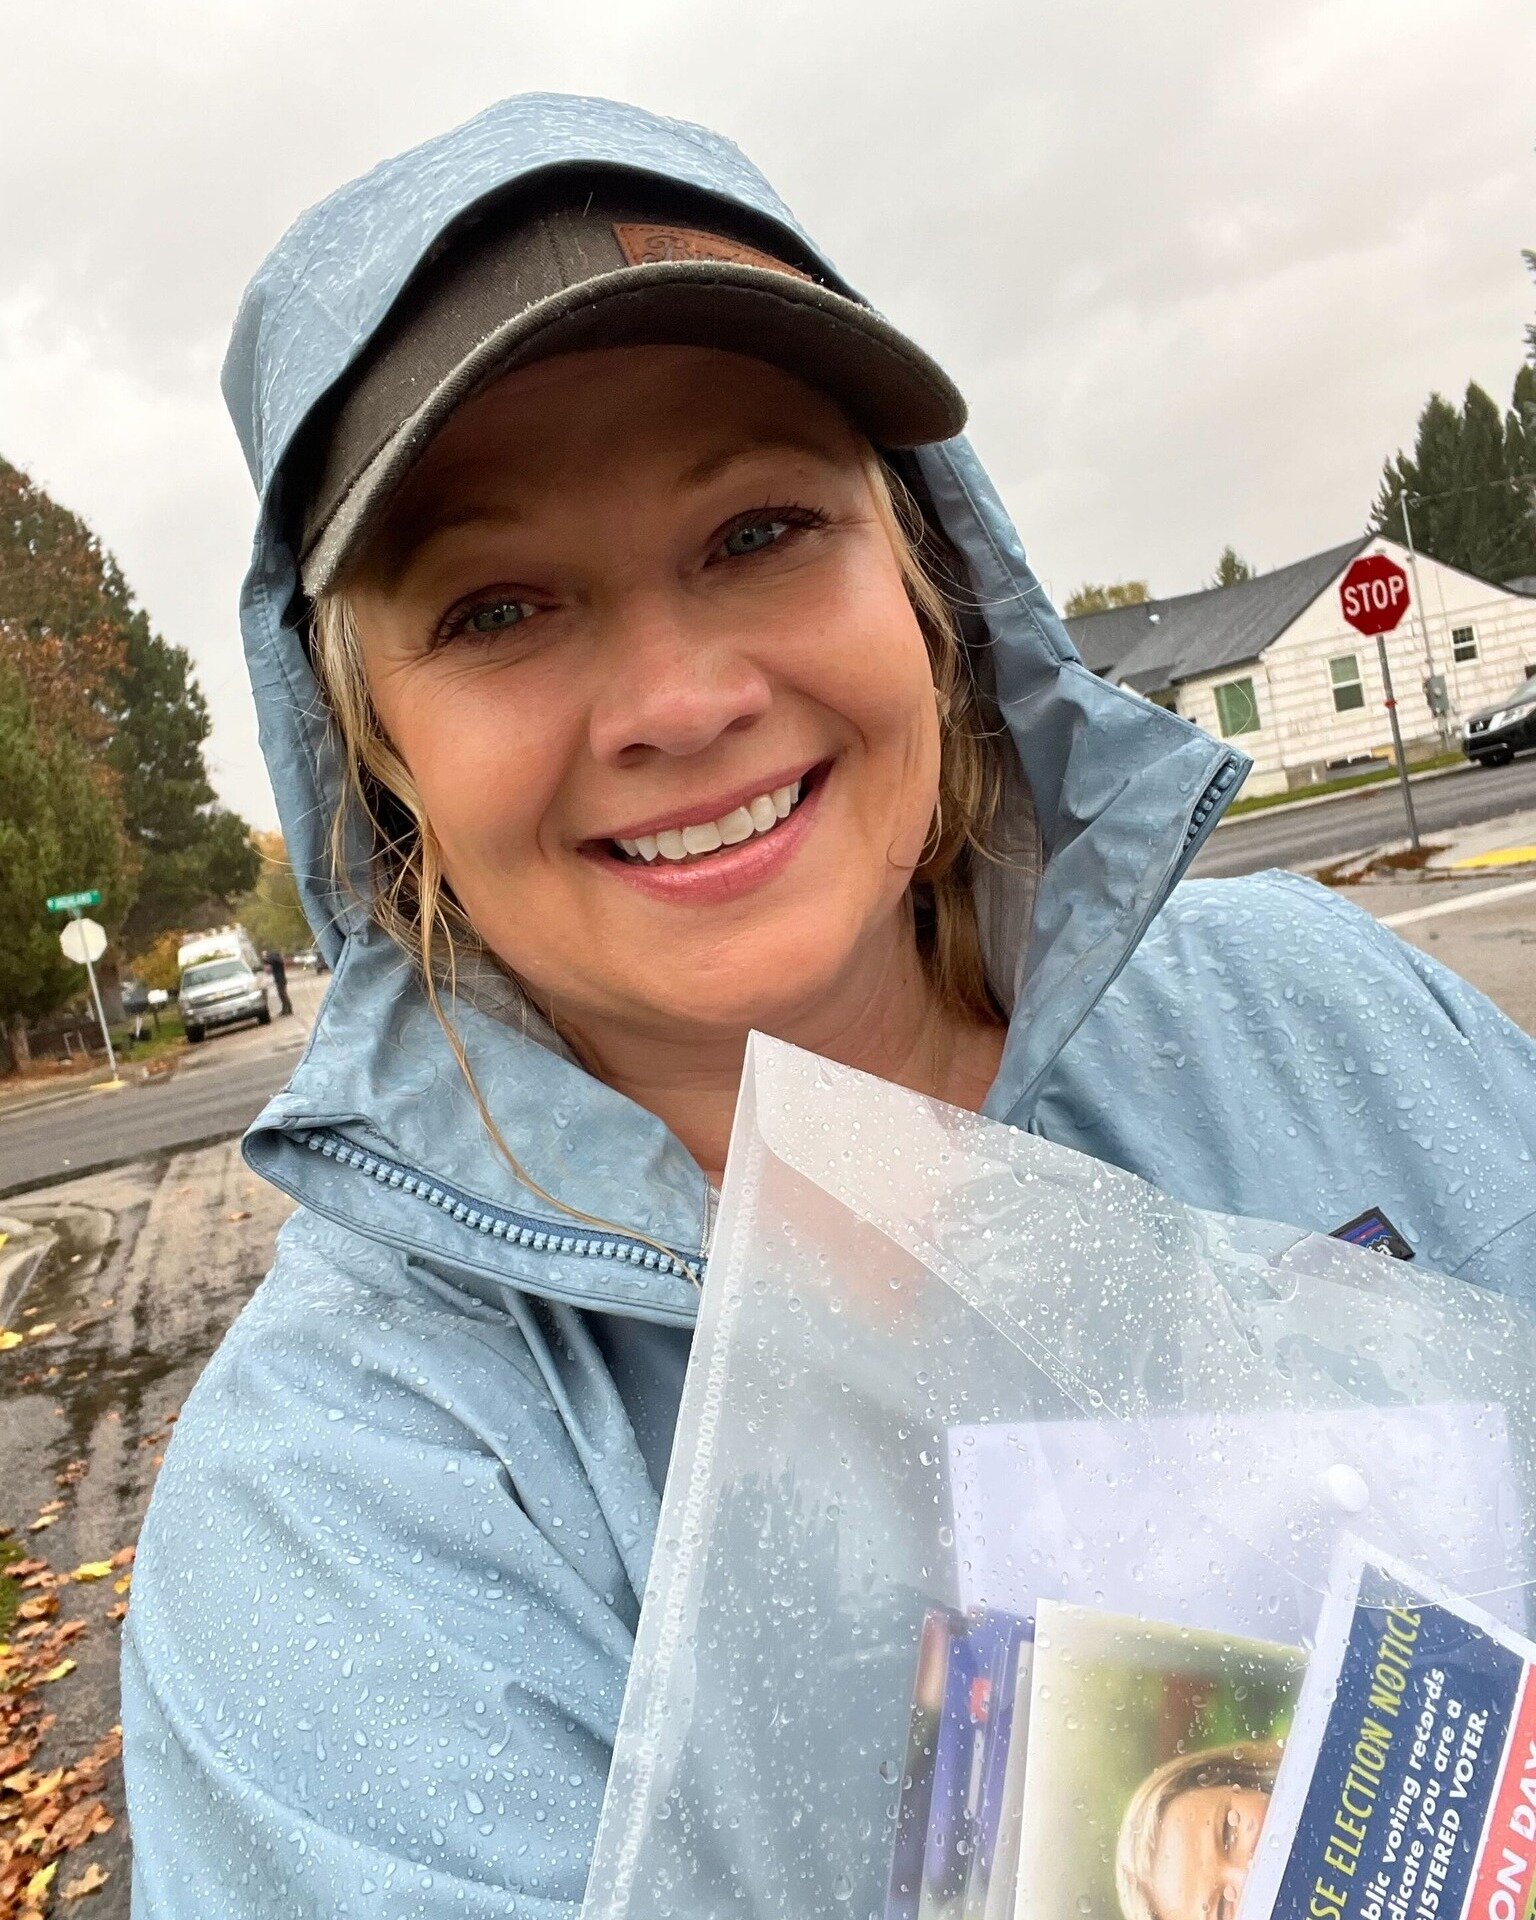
(1196, 267)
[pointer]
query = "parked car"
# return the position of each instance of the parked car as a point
(1493, 737)
(220, 993)
(307, 958)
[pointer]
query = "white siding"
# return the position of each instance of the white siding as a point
(1298, 724)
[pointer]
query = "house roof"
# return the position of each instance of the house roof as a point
(1161, 642)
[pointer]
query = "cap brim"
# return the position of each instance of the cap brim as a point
(893, 391)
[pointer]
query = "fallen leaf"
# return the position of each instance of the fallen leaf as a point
(42, 1329)
(9, 1340)
(41, 1609)
(79, 1824)
(124, 1556)
(43, 1520)
(89, 1881)
(242, 1213)
(118, 1610)
(92, 1570)
(42, 1880)
(58, 1672)
(3, 1238)
(122, 1586)
(19, 1569)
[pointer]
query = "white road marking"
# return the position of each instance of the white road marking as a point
(1484, 897)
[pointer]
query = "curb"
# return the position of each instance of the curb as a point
(1383, 785)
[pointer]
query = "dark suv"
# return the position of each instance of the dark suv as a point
(1493, 737)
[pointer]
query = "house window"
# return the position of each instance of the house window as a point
(1463, 644)
(1348, 694)
(1237, 710)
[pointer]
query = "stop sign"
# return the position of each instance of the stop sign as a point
(1374, 594)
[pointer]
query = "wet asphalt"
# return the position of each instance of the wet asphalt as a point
(146, 1269)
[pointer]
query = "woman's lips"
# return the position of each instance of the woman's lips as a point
(708, 878)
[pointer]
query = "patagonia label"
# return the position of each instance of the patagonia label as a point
(1374, 1230)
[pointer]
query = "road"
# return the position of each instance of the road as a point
(1305, 836)
(147, 1267)
(217, 1090)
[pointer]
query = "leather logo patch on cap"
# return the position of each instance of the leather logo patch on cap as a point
(643, 245)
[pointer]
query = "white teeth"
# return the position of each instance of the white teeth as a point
(759, 815)
(703, 839)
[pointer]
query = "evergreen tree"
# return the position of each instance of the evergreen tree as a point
(93, 666)
(1231, 568)
(59, 831)
(193, 855)
(1466, 484)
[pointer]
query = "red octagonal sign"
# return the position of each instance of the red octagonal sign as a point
(1374, 594)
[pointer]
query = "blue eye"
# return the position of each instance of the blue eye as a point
(497, 617)
(754, 537)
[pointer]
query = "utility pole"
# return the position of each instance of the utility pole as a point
(1442, 719)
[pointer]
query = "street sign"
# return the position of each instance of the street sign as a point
(83, 940)
(1374, 594)
(67, 902)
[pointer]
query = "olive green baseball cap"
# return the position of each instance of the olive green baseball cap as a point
(580, 276)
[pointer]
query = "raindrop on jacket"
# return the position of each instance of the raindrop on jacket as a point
(386, 1590)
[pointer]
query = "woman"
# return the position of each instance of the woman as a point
(662, 665)
(1190, 1833)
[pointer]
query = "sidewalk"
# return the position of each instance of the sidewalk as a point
(25, 1096)
(1493, 849)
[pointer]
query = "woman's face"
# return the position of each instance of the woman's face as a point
(636, 604)
(1205, 1846)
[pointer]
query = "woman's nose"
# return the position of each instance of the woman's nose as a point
(665, 685)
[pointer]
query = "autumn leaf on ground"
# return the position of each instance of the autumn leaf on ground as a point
(122, 1586)
(92, 1570)
(42, 1880)
(9, 1339)
(89, 1881)
(124, 1556)
(58, 1672)
(43, 1520)
(118, 1610)
(243, 1213)
(42, 1329)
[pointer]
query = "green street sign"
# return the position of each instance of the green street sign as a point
(66, 902)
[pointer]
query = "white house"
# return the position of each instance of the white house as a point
(1272, 664)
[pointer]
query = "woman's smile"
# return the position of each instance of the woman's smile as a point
(716, 852)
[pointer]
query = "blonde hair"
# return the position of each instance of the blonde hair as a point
(1247, 1766)
(408, 894)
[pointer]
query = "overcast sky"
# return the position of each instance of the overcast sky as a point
(1196, 265)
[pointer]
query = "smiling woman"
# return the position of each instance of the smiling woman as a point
(642, 657)
(682, 731)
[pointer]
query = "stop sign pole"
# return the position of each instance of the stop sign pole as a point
(1374, 597)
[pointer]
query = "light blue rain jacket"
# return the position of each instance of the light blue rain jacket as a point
(387, 1586)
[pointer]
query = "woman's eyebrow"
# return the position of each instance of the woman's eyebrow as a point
(398, 546)
(724, 458)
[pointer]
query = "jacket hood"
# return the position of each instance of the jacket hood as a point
(1122, 792)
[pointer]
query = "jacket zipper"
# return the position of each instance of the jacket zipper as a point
(520, 1229)
(1219, 783)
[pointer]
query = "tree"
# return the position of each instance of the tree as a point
(93, 665)
(63, 607)
(193, 855)
(1231, 568)
(272, 913)
(59, 830)
(1468, 485)
(1093, 599)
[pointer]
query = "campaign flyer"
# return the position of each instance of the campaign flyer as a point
(1408, 1788)
(1152, 1751)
